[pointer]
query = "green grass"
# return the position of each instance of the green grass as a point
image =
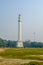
(22, 53)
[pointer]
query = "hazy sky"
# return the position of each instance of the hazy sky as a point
(32, 19)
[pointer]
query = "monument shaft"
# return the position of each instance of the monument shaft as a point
(20, 42)
(20, 31)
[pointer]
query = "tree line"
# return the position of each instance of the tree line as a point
(26, 44)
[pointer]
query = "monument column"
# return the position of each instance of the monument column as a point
(20, 42)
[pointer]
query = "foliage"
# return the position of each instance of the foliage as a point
(27, 44)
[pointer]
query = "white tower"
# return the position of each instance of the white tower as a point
(20, 42)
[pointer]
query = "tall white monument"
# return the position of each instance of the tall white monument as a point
(20, 42)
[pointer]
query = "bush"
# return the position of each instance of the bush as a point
(32, 63)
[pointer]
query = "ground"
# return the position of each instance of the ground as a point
(17, 56)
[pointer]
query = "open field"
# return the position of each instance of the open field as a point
(22, 53)
(17, 56)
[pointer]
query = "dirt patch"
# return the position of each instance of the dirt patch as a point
(17, 61)
(2, 49)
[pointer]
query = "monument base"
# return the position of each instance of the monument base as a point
(19, 44)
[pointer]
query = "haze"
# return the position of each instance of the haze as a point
(32, 19)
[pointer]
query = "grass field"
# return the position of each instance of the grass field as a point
(22, 53)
